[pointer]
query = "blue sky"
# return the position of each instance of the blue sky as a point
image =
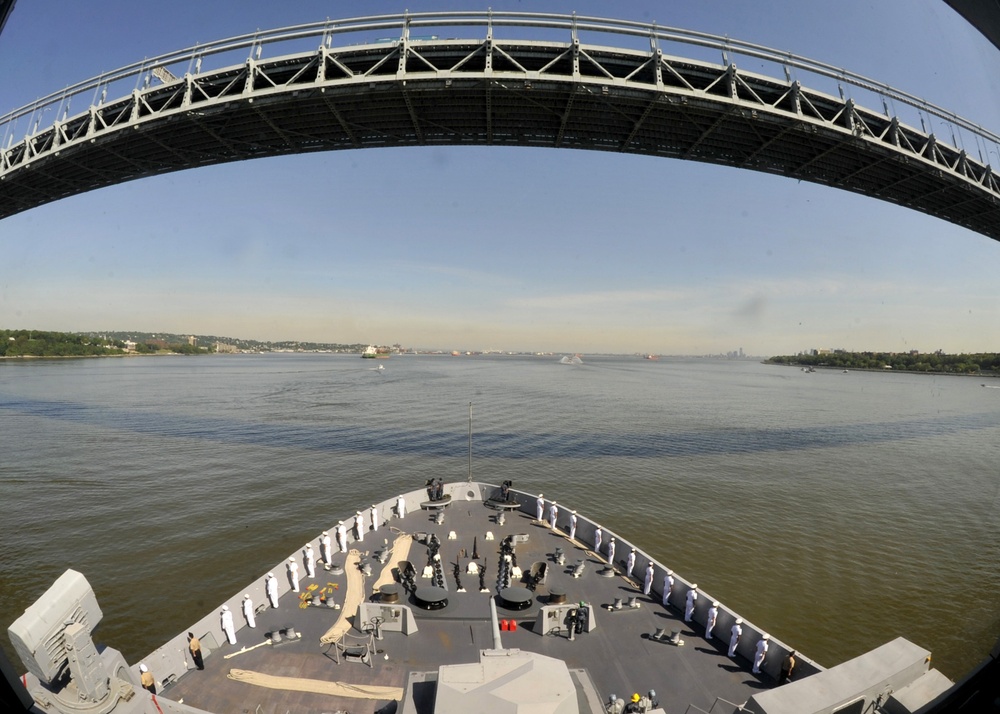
(476, 248)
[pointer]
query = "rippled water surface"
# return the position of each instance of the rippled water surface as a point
(836, 510)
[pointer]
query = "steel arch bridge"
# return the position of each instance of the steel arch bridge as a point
(561, 81)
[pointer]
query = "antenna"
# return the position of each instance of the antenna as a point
(470, 442)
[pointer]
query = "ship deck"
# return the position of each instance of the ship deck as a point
(618, 654)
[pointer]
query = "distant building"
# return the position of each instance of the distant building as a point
(225, 348)
(192, 340)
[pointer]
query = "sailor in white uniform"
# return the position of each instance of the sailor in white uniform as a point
(713, 615)
(572, 525)
(400, 507)
(735, 633)
(342, 537)
(271, 588)
(359, 527)
(692, 599)
(630, 563)
(647, 582)
(227, 625)
(539, 507)
(309, 560)
(668, 586)
(598, 536)
(248, 611)
(293, 574)
(760, 653)
(374, 515)
(611, 552)
(553, 515)
(324, 547)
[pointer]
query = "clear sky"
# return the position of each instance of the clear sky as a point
(520, 249)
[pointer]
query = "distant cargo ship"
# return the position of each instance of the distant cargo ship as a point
(373, 352)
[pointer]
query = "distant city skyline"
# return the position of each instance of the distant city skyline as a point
(521, 249)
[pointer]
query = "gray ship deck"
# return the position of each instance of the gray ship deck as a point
(618, 654)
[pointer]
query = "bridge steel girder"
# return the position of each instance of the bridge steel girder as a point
(500, 92)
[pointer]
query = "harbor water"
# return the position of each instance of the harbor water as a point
(835, 510)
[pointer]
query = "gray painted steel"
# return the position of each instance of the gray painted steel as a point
(395, 81)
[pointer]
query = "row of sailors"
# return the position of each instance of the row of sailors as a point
(736, 631)
(358, 528)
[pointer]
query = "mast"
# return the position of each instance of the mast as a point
(470, 442)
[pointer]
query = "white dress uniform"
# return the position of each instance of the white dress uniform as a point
(359, 526)
(553, 515)
(598, 536)
(692, 598)
(227, 625)
(309, 560)
(668, 586)
(630, 563)
(760, 654)
(374, 515)
(713, 615)
(342, 537)
(647, 582)
(572, 525)
(271, 588)
(248, 611)
(401, 507)
(324, 547)
(734, 636)
(539, 508)
(611, 551)
(293, 574)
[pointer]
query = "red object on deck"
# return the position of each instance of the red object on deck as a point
(503, 625)
(513, 625)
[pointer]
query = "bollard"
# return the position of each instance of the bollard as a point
(513, 625)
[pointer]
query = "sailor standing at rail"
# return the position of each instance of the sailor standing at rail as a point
(227, 625)
(668, 586)
(400, 507)
(692, 599)
(309, 560)
(572, 525)
(553, 515)
(647, 582)
(324, 547)
(359, 526)
(598, 534)
(736, 632)
(293, 574)
(342, 537)
(539, 508)
(374, 515)
(630, 564)
(611, 552)
(761, 653)
(713, 615)
(248, 611)
(146, 679)
(271, 588)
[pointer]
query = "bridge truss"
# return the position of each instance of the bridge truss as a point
(392, 81)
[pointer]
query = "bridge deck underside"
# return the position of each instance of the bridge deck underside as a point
(522, 108)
